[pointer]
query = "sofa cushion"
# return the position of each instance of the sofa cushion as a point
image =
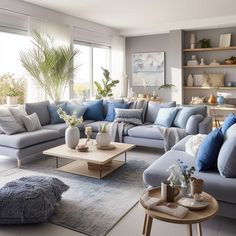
(209, 150)
(31, 122)
(153, 109)
(8, 123)
(18, 112)
(52, 108)
(131, 116)
(80, 109)
(227, 156)
(60, 128)
(106, 101)
(229, 120)
(111, 110)
(94, 110)
(139, 104)
(166, 116)
(26, 139)
(185, 112)
(41, 109)
(145, 131)
(192, 126)
(223, 189)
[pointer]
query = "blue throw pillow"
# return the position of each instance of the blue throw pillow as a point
(94, 110)
(184, 114)
(52, 108)
(229, 120)
(166, 116)
(79, 109)
(111, 110)
(208, 151)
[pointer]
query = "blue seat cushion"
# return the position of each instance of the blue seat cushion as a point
(166, 116)
(209, 150)
(111, 110)
(229, 120)
(94, 110)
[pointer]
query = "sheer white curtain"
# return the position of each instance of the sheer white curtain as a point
(118, 65)
(61, 35)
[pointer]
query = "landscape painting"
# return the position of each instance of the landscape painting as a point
(148, 69)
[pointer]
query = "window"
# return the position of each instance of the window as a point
(89, 61)
(10, 47)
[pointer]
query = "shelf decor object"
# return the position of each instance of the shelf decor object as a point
(225, 40)
(192, 41)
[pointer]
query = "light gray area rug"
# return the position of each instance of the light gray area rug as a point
(93, 206)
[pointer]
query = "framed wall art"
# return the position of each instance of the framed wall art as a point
(148, 69)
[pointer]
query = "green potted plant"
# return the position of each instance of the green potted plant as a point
(12, 89)
(105, 89)
(49, 65)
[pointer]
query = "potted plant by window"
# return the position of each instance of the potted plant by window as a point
(49, 65)
(105, 88)
(12, 89)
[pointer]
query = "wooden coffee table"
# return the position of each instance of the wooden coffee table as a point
(193, 217)
(94, 163)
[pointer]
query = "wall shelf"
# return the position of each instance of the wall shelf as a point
(209, 66)
(209, 49)
(220, 88)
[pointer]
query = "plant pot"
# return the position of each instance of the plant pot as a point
(72, 136)
(212, 99)
(103, 139)
(12, 100)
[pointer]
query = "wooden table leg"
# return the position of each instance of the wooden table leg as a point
(199, 229)
(148, 226)
(190, 231)
(144, 224)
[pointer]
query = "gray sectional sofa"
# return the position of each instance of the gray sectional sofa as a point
(25, 145)
(223, 189)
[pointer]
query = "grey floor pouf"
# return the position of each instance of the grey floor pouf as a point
(30, 199)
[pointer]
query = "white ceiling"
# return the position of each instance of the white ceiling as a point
(142, 17)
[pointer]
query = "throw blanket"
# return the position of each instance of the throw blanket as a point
(118, 130)
(171, 136)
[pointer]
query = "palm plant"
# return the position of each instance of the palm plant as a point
(51, 67)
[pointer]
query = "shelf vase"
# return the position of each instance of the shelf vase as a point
(212, 99)
(72, 136)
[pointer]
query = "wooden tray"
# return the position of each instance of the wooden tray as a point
(191, 204)
(109, 147)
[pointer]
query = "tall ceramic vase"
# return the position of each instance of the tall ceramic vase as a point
(72, 136)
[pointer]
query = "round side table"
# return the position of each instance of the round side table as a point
(193, 217)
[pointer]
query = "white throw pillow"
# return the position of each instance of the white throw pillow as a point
(193, 144)
(8, 123)
(32, 122)
(18, 112)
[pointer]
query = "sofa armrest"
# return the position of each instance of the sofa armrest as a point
(205, 126)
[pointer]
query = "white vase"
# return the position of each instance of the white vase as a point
(190, 80)
(72, 136)
(103, 139)
(12, 100)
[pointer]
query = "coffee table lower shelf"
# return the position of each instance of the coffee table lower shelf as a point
(81, 168)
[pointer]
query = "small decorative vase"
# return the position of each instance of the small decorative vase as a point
(220, 100)
(185, 189)
(103, 139)
(190, 80)
(72, 136)
(212, 99)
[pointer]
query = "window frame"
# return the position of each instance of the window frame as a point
(91, 77)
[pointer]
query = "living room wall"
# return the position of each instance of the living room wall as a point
(171, 44)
